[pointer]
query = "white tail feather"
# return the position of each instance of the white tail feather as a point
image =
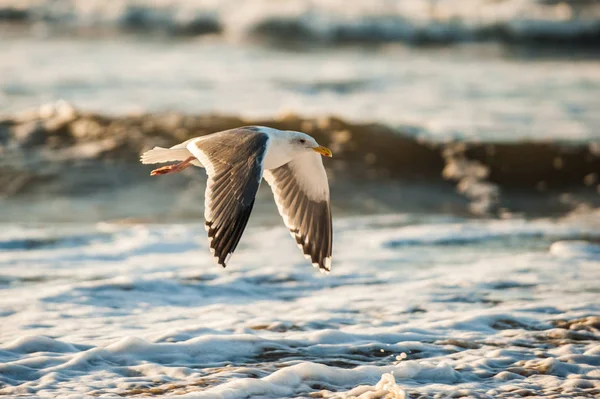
(160, 155)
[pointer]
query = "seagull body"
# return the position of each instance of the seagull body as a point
(236, 160)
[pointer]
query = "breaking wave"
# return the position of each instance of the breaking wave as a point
(375, 167)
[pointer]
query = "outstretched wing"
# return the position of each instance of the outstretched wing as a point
(234, 163)
(301, 192)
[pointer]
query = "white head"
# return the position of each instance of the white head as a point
(302, 142)
(286, 145)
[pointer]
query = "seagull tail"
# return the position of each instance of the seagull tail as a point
(160, 155)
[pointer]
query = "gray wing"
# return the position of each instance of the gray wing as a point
(301, 192)
(234, 163)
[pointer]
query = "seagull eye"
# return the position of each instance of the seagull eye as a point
(302, 141)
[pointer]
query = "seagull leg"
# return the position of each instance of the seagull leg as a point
(178, 167)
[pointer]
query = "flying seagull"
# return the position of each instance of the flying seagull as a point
(236, 161)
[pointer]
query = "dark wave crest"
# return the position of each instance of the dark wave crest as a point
(60, 152)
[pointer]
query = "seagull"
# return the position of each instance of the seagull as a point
(236, 160)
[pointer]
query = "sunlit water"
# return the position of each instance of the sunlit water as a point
(413, 306)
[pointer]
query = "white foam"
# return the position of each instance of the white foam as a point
(461, 309)
(575, 248)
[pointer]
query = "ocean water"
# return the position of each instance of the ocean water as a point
(421, 303)
(383, 61)
(327, 21)
(428, 307)
(475, 92)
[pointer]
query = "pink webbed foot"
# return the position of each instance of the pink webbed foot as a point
(164, 170)
(172, 168)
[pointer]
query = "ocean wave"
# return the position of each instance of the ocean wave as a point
(441, 21)
(391, 167)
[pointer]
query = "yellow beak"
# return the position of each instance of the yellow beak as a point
(323, 151)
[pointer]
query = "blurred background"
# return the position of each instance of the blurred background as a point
(465, 189)
(470, 107)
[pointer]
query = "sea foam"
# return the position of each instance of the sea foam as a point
(143, 310)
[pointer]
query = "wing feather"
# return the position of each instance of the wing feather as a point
(301, 193)
(234, 163)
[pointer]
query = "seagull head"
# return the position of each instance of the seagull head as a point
(303, 141)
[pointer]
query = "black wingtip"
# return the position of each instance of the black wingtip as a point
(221, 262)
(324, 265)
